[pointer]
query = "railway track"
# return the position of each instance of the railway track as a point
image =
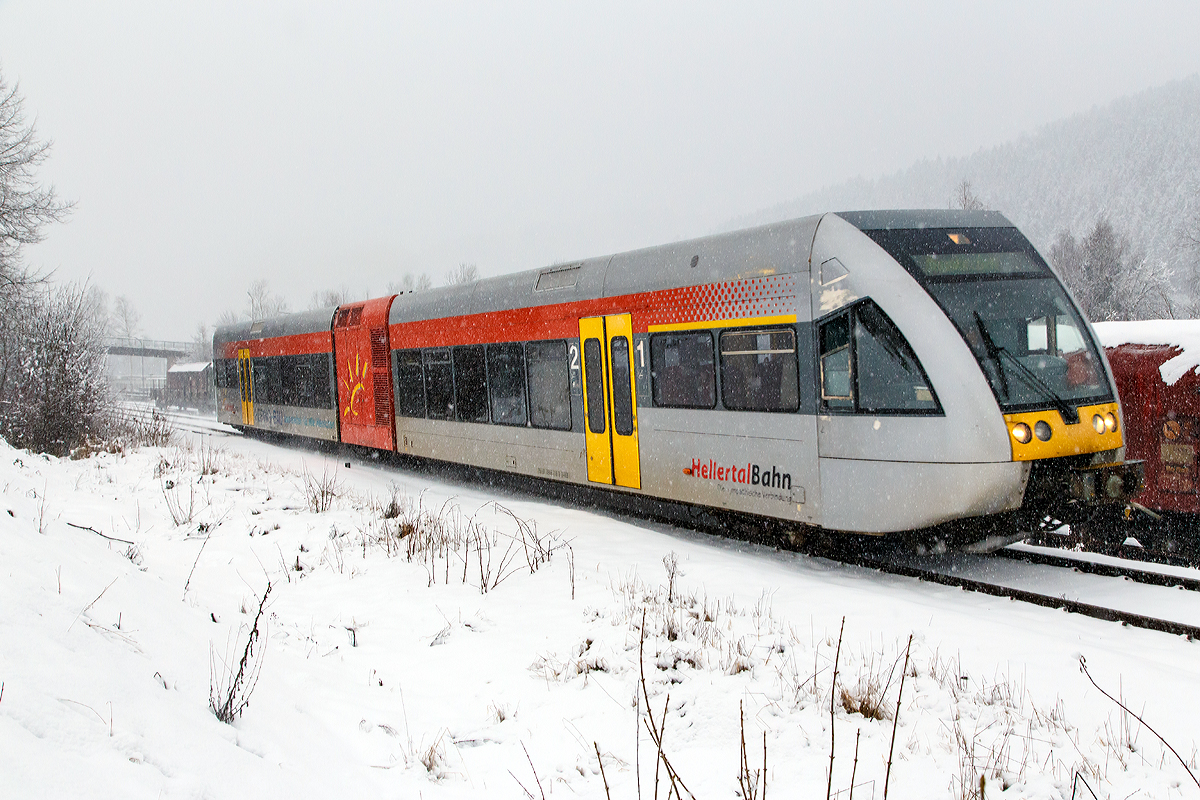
(1149, 577)
(179, 420)
(946, 578)
(1071, 542)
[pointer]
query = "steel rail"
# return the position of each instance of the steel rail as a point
(1149, 577)
(1192, 632)
(178, 421)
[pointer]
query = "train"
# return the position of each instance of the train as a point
(918, 375)
(1156, 366)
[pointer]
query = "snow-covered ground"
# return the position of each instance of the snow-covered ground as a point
(499, 657)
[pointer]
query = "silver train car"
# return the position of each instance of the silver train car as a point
(879, 372)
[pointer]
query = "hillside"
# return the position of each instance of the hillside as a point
(1136, 160)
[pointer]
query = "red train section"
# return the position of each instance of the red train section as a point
(1155, 368)
(362, 360)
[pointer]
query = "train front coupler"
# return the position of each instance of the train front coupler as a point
(1107, 484)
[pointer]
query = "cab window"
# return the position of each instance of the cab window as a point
(868, 367)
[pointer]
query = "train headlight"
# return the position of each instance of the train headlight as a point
(1110, 421)
(1022, 433)
(1098, 423)
(1041, 429)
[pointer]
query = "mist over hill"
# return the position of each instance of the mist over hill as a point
(1136, 160)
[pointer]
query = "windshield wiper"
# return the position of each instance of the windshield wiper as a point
(1070, 415)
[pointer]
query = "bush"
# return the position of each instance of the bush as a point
(53, 393)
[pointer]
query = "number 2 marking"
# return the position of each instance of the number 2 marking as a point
(574, 357)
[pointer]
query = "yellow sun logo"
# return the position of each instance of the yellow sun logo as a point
(353, 382)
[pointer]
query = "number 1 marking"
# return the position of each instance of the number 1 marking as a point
(641, 351)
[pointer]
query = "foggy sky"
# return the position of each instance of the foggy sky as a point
(325, 144)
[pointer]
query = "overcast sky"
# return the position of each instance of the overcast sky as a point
(208, 144)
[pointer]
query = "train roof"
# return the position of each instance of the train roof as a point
(314, 321)
(775, 249)
(1180, 334)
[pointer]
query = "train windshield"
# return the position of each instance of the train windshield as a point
(1014, 314)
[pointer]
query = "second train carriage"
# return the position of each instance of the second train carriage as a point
(867, 372)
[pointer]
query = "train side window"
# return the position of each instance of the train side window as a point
(869, 367)
(290, 394)
(439, 384)
(410, 384)
(549, 377)
(470, 384)
(276, 377)
(258, 372)
(683, 370)
(622, 387)
(836, 386)
(322, 370)
(303, 382)
(759, 370)
(506, 383)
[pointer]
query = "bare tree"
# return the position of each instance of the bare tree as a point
(465, 273)
(964, 197)
(126, 321)
(202, 342)
(410, 284)
(262, 303)
(26, 206)
(334, 297)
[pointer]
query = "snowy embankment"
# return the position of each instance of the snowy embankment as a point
(427, 639)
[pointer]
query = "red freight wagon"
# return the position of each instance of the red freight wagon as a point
(1156, 364)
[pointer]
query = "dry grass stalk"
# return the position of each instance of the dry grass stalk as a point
(1083, 668)
(895, 722)
(753, 786)
(832, 696)
(657, 731)
(320, 493)
(599, 760)
(182, 511)
(228, 701)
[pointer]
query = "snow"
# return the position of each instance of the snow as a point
(190, 366)
(1181, 333)
(389, 677)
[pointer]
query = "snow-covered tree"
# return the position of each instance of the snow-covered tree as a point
(55, 395)
(1110, 279)
(42, 379)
